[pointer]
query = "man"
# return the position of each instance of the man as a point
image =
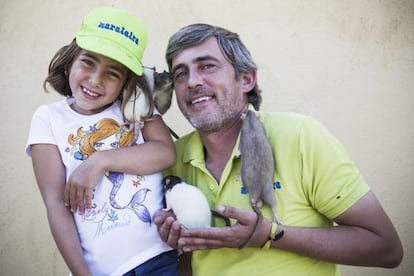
(329, 214)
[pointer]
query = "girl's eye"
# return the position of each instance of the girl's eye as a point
(114, 74)
(87, 62)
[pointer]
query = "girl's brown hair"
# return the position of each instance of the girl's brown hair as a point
(58, 77)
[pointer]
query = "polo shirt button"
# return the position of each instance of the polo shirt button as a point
(211, 187)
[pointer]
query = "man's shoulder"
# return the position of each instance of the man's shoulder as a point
(188, 145)
(291, 116)
(283, 121)
(186, 138)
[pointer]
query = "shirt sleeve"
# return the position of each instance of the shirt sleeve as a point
(40, 129)
(331, 180)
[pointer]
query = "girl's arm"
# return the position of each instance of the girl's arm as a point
(156, 154)
(50, 176)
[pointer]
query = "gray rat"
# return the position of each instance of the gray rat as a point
(257, 166)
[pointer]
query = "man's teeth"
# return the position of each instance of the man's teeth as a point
(202, 99)
(90, 93)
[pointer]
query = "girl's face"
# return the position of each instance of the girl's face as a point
(96, 82)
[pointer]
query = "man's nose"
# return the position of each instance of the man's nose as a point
(195, 79)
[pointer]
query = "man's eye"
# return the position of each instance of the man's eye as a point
(208, 66)
(179, 75)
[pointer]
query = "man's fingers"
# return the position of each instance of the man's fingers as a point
(161, 216)
(170, 231)
(217, 237)
(168, 227)
(164, 228)
(174, 233)
(207, 238)
(241, 215)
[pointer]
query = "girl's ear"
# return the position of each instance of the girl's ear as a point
(248, 81)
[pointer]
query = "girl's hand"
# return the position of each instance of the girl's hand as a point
(81, 183)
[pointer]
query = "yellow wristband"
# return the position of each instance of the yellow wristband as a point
(267, 244)
(273, 236)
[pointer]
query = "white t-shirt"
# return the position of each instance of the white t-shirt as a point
(117, 234)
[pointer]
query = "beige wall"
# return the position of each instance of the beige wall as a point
(348, 63)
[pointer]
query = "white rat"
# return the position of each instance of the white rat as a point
(188, 203)
(152, 86)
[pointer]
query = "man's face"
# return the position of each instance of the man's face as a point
(207, 91)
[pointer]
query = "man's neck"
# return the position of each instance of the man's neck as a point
(218, 148)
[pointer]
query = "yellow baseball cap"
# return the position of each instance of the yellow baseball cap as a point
(114, 33)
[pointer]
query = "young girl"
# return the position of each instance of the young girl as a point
(83, 139)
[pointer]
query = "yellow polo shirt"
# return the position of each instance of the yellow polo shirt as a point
(314, 182)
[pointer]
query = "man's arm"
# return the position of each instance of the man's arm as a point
(364, 236)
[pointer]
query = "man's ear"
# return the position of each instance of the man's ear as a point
(248, 81)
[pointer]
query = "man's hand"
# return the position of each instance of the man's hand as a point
(231, 236)
(168, 227)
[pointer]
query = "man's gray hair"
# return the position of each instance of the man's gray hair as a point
(230, 45)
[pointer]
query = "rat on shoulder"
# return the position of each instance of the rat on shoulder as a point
(152, 86)
(257, 167)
